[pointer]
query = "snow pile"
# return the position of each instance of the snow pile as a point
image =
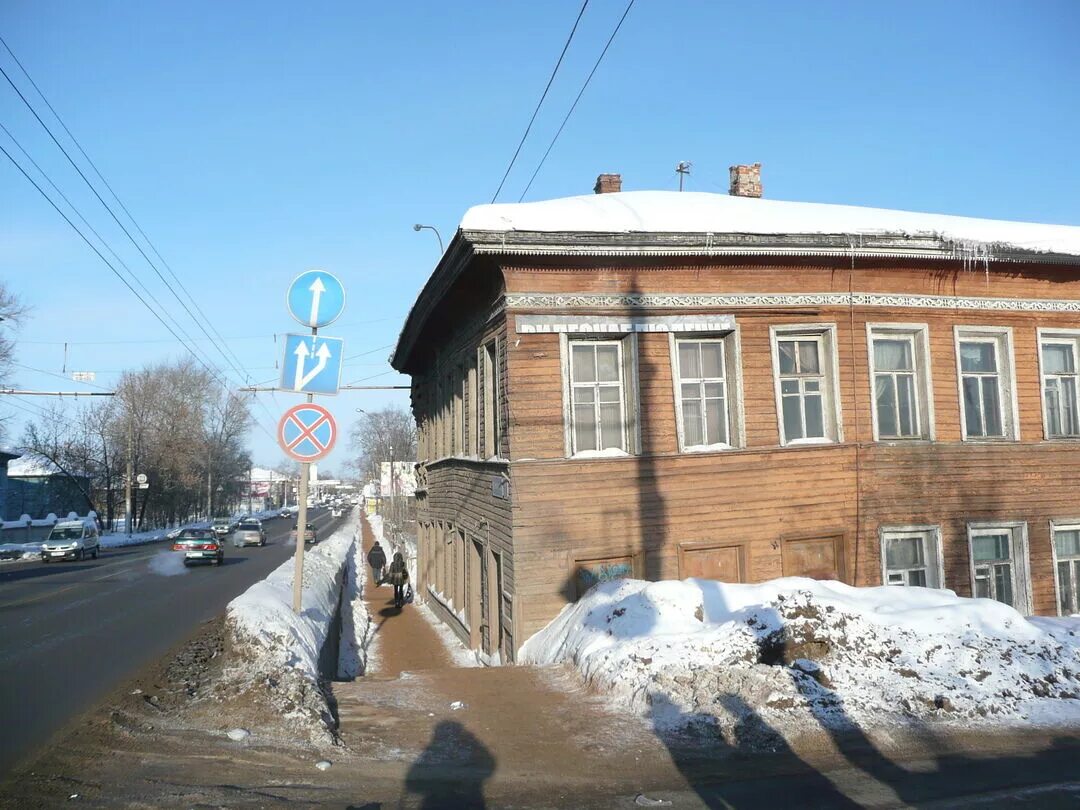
(276, 652)
(699, 212)
(794, 651)
(357, 632)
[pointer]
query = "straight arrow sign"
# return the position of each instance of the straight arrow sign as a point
(312, 364)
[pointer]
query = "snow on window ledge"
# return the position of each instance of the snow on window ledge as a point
(610, 452)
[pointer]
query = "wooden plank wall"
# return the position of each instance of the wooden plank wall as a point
(648, 504)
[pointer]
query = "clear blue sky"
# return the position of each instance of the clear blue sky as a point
(253, 141)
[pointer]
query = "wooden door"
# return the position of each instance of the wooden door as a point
(723, 563)
(814, 557)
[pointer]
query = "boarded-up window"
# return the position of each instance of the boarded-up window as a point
(723, 563)
(814, 557)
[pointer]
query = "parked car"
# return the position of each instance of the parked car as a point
(249, 533)
(71, 539)
(200, 545)
(310, 535)
(221, 526)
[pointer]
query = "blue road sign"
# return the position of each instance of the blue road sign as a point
(312, 364)
(307, 432)
(315, 298)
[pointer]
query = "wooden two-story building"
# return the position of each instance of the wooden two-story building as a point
(666, 385)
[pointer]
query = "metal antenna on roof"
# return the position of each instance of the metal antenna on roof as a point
(682, 168)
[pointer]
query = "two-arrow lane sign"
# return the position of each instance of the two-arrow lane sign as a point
(312, 364)
(316, 298)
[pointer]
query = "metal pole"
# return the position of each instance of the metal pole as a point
(301, 529)
(130, 473)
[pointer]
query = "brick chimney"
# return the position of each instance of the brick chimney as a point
(745, 181)
(608, 183)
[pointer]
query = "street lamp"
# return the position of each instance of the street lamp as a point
(418, 227)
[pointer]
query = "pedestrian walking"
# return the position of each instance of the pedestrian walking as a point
(398, 576)
(377, 560)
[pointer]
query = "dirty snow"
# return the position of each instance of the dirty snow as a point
(277, 651)
(794, 651)
(700, 212)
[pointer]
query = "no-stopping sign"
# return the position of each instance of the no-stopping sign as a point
(307, 432)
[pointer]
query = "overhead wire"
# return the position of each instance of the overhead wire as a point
(573, 106)
(112, 213)
(222, 347)
(213, 373)
(543, 96)
(120, 202)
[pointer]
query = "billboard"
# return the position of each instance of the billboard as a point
(404, 480)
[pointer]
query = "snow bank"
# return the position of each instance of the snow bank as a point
(699, 212)
(275, 651)
(795, 653)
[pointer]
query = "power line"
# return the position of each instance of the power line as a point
(54, 374)
(242, 375)
(540, 102)
(100, 238)
(112, 213)
(138, 227)
(573, 106)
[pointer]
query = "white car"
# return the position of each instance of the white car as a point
(71, 539)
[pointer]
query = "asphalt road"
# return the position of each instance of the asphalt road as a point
(70, 630)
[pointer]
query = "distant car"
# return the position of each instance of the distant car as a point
(71, 539)
(200, 545)
(335, 511)
(221, 526)
(249, 533)
(310, 535)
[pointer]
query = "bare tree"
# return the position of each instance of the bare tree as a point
(12, 311)
(379, 431)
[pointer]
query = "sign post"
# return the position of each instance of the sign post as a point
(307, 432)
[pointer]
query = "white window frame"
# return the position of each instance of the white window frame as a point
(1068, 525)
(1021, 561)
(733, 400)
(832, 413)
(630, 404)
(932, 551)
(919, 333)
(1063, 335)
(1001, 337)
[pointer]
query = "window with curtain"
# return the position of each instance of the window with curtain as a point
(806, 395)
(981, 389)
(703, 392)
(1060, 383)
(1067, 553)
(597, 405)
(899, 366)
(800, 361)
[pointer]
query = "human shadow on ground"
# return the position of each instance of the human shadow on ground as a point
(752, 764)
(451, 770)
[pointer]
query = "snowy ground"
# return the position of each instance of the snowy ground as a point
(276, 651)
(795, 653)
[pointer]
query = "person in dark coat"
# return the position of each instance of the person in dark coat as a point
(377, 560)
(398, 576)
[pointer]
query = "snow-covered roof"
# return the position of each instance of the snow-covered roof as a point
(700, 212)
(31, 465)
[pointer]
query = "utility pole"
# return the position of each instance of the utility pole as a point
(209, 487)
(130, 473)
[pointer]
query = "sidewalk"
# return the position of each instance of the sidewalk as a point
(403, 640)
(521, 733)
